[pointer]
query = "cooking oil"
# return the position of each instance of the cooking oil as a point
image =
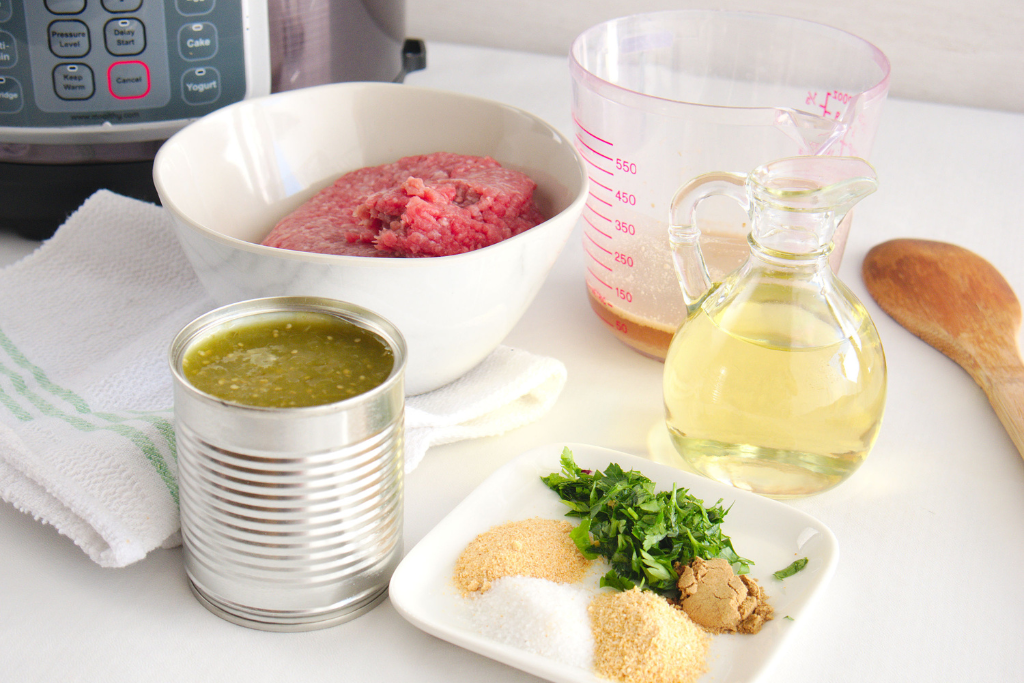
(776, 388)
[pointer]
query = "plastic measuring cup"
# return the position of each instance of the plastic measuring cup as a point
(662, 97)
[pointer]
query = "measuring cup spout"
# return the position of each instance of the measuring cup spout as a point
(813, 134)
(684, 235)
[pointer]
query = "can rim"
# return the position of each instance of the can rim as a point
(353, 313)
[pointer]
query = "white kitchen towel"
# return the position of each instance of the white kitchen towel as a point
(509, 389)
(86, 431)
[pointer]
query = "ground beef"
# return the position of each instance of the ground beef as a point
(427, 205)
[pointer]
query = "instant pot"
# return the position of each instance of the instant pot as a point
(90, 89)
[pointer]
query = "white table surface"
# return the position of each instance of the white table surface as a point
(930, 529)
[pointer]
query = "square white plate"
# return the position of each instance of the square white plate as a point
(768, 532)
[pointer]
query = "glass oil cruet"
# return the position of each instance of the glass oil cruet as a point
(776, 381)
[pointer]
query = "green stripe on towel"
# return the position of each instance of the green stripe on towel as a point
(117, 422)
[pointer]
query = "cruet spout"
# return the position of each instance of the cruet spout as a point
(814, 183)
(684, 235)
(799, 201)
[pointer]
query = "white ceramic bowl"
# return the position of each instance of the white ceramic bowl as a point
(229, 177)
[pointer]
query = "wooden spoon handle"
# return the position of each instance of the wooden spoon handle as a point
(1007, 398)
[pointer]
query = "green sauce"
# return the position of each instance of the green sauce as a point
(285, 360)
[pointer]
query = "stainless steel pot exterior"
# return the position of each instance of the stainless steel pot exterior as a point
(312, 43)
(291, 518)
(296, 43)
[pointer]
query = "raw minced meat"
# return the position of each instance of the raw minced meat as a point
(428, 205)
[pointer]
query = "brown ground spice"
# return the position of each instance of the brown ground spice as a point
(539, 548)
(640, 638)
(720, 601)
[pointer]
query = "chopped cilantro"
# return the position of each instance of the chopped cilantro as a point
(791, 569)
(642, 533)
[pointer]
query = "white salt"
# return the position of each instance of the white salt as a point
(540, 616)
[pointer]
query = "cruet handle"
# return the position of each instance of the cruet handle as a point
(684, 235)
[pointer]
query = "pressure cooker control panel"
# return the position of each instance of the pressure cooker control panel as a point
(138, 65)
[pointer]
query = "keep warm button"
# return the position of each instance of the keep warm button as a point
(73, 81)
(128, 80)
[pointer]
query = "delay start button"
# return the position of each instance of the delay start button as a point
(128, 80)
(124, 37)
(201, 85)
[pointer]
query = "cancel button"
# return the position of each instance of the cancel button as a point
(128, 80)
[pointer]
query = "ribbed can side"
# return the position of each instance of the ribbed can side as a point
(291, 518)
(294, 543)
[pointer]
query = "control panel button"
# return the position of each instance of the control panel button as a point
(191, 8)
(11, 97)
(6, 10)
(8, 50)
(73, 82)
(122, 5)
(87, 63)
(65, 6)
(128, 80)
(124, 37)
(69, 38)
(201, 85)
(197, 41)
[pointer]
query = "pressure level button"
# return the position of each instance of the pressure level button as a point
(69, 38)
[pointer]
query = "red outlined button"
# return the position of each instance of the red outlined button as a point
(128, 80)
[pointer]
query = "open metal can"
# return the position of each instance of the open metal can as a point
(291, 518)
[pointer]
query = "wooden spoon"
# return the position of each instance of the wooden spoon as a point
(959, 303)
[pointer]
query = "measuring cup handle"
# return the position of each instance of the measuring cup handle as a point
(684, 235)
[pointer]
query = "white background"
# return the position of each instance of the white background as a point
(968, 53)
